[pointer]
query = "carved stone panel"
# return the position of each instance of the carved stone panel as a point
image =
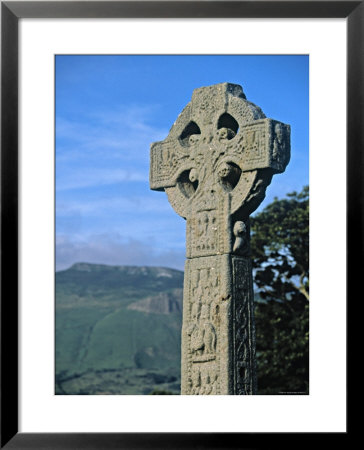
(218, 336)
(243, 332)
(205, 344)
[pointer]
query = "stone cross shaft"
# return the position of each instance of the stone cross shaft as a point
(214, 165)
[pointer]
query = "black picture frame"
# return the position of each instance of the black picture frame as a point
(11, 12)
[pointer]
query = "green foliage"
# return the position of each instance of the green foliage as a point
(280, 250)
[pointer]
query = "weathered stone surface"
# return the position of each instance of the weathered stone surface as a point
(214, 165)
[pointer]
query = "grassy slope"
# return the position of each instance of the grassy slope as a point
(102, 347)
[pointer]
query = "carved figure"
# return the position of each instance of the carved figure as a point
(195, 310)
(203, 339)
(197, 340)
(240, 237)
(209, 339)
(225, 134)
(224, 170)
(194, 139)
(193, 176)
(196, 377)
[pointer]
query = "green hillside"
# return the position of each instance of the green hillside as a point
(118, 329)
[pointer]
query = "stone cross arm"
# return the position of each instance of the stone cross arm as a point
(261, 144)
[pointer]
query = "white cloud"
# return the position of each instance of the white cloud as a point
(106, 249)
(96, 133)
(77, 178)
(104, 148)
(118, 205)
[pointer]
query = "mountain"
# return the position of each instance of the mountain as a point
(163, 303)
(118, 329)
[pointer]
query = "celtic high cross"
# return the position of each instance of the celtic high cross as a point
(215, 164)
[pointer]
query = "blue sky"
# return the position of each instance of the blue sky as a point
(109, 109)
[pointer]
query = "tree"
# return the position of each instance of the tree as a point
(280, 251)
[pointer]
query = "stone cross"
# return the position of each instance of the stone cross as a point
(214, 165)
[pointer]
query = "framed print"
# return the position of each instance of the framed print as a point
(33, 33)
